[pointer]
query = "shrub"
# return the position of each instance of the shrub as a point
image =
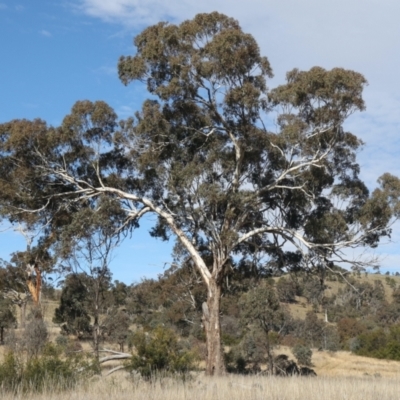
(35, 337)
(159, 352)
(10, 373)
(303, 355)
(349, 328)
(48, 372)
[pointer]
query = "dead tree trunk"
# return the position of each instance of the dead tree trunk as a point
(215, 361)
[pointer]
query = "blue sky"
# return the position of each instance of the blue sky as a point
(55, 53)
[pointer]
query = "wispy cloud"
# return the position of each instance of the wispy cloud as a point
(19, 7)
(106, 70)
(45, 33)
(30, 105)
(3, 6)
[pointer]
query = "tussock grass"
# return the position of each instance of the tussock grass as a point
(228, 388)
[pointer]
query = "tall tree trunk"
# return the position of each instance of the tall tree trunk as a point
(215, 358)
(2, 335)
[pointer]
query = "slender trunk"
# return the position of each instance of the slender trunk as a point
(215, 360)
(96, 334)
(23, 314)
(2, 335)
(269, 355)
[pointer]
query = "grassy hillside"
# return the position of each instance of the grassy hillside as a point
(300, 308)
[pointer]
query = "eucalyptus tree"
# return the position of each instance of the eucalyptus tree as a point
(230, 168)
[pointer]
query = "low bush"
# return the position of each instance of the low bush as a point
(47, 372)
(158, 352)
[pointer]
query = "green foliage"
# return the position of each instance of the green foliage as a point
(380, 343)
(303, 355)
(10, 373)
(72, 314)
(120, 293)
(47, 372)
(174, 299)
(159, 351)
(261, 305)
(7, 317)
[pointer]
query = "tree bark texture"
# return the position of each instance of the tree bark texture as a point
(215, 356)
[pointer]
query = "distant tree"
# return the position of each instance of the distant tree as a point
(72, 313)
(286, 289)
(313, 289)
(116, 328)
(261, 306)
(120, 292)
(311, 330)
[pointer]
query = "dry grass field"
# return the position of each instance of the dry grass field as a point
(230, 388)
(341, 375)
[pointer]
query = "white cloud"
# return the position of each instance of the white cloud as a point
(45, 33)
